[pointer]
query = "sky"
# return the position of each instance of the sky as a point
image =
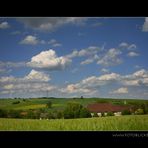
(74, 57)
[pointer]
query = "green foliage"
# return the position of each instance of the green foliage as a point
(14, 114)
(95, 115)
(139, 111)
(72, 110)
(49, 104)
(60, 115)
(110, 114)
(126, 112)
(3, 113)
(16, 102)
(144, 106)
(44, 115)
(84, 113)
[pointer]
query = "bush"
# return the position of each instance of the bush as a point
(110, 114)
(139, 111)
(95, 115)
(84, 113)
(72, 110)
(126, 112)
(16, 102)
(59, 114)
(3, 113)
(144, 106)
(44, 115)
(14, 114)
(49, 104)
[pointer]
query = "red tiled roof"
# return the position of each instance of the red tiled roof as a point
(106, 107)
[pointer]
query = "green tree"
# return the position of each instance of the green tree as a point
(139, 111)
(3, 113)
(126, 112)
(14, 114)
(72, 110)
(49, 104)
(84, 113)
(110, 114)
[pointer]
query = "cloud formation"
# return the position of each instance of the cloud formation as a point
(133, 54)
(122, 90)
(110, 58)
(50, 23)
(93, 84)
(145, 25)
(48, 60)
(127, 46)
(54, 43)
(34, 82)
(30, 40)
(4, 25)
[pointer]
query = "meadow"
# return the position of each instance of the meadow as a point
(121, 123)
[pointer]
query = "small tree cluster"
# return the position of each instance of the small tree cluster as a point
(75, 110)
(126, 112)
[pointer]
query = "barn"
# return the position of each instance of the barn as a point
(100, 108)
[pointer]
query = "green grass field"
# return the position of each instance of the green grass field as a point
(122, 123)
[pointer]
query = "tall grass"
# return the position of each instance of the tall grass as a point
(122, 123)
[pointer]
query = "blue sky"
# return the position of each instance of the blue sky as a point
(74, 56)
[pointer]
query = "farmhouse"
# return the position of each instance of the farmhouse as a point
(100, 108)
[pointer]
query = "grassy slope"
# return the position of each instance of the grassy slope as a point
(136, 122)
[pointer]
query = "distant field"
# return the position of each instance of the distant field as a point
(58, 103)
(34, 106)
(131, 122)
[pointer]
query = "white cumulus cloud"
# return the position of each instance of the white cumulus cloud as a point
(49, 60)
(111, 58)
(30, 40)
(37, 76)
(133, 54)
(122, 90)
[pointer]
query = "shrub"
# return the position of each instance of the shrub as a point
(110, 114)
(30, 114)
(126, 112)
(49, 104)
(95, 115)
(72, 110)
(16, 102)
(139, 111)
(84, 113)
(59, 114)
(14, 114)
(3, 113)
(44, 115)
